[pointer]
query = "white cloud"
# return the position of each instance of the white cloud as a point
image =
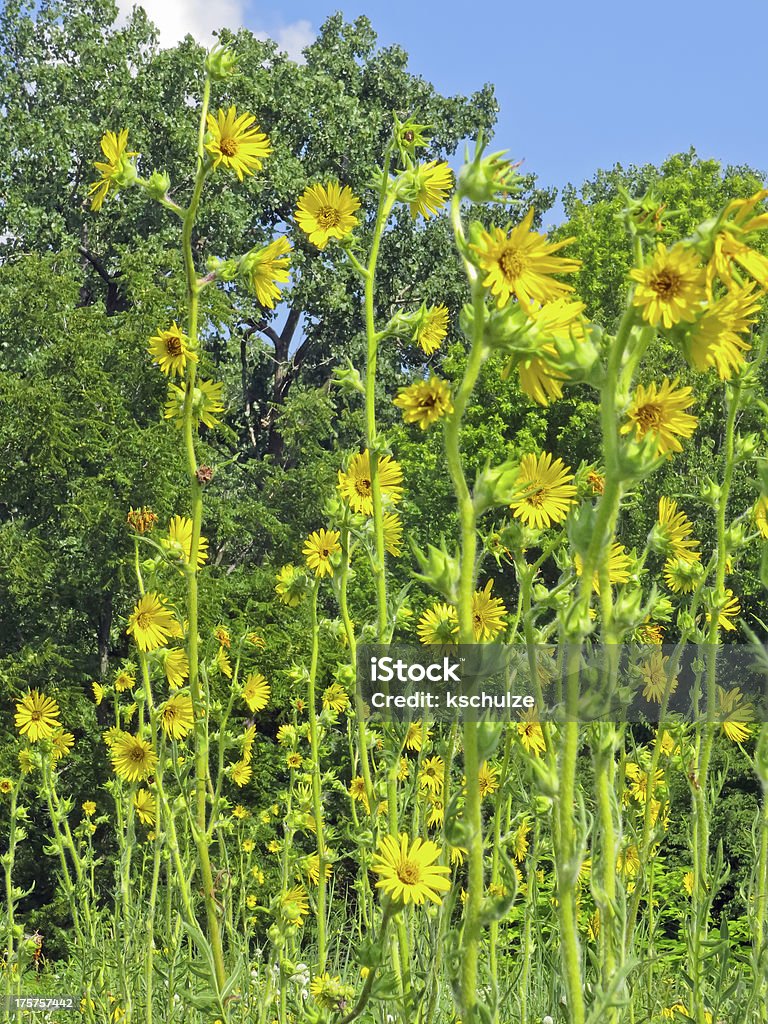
(291, 39)
(175, 19)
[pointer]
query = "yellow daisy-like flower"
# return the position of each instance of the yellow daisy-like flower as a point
(114, 149)
(319, 548)
(408, 872)
(729, 250)
(294, 760)
(357, 791)
(432, 329)
(290, 586)
(237, 142)
(170, 350)
(37, 716)
(177, 717)
(404, 770)
(132, 757)
(729, 611)
(654, 677)
(628, 861)
(286, 735)
(98, 693)
(335, 697)
(760, 514)
(247, 739)
(660, 411)
(207, 403)
(256, 692)
(329, 993)
(124, 681)
(61, 744)
(521, 263)
(176, 667)
(425, 402)
(488, 614)
(438, 625)
(714, 341)
(521, 842)
(619, 563)
(248, 846)
(649, 633)
(26, 763)
(326, 212)
(356, 487)
(266, 269)
(488, 777)
(312, 868)
(151, 622)
(545, 493)
(240, 812)
(432, 773)
(416, 736)
(294, 904)
(531, 736)
(145, 807)
(674, 531)
(179, 540)
(433, 182)
(671, 287)
(735, 714)
(89, 808)
(241, 773)
(393, 533)
(436, 813)
(681, 575)
(540, 377)
(223, 663)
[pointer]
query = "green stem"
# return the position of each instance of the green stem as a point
(317, 806)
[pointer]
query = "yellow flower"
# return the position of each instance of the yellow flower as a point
(329, 993)
(540, 376)
(207, 403)
(177, 717)
(114, 149)
(124, 681)
(248, 846)
(294, 904)
(416, 735)
(408, 871)
(653, 674)
(640, 781)
(671, 287)
(61, 743)
(247, 740)
(37, 716)
(436, 815)
(488, 614)
(256, 692)
(132, 757)
(237, 142)
(520, 842)
(240, 773)
(356, 487)
(357, 791)
(312, 868)
(26, 763)
(661, 412)
(730, 610)
(674, 532)
(688, 881)
(89, 808)
(404, 770)
(432, 773)
(667, 745)
(179, 541)
(438, 625)
(328, 212)
(432, 329)
(294, 760)
(433, 182)
(531, 737)
(176, 667)
(488, 777)
(335, 697)
(760, 513)
(425, 402)
(240, 812)
(286, 735)
(545, 492)
(393, 533)
(714, 341)
(98, 693)
(628, 861)
(170, 350)
(142, 520)
(144, 805)
(681, 575)
(266, 269)
(319, 548)
(151, 622)
(729, 250)
(735, 713)
(521, 263)
(618, 567)
(290, 586)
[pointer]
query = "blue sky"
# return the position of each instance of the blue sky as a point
(583, 86)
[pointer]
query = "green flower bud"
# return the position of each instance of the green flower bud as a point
(440, 570)
(489, 178)
(220, 63)
(495, 486)
(158, 185)
(348, 378)
(710, 492)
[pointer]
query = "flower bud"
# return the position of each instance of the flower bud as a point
(220, 63)
(489, 178)
(348, 378)
(158, 185)
(710, 492)
(495, 486)
(440, 570)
